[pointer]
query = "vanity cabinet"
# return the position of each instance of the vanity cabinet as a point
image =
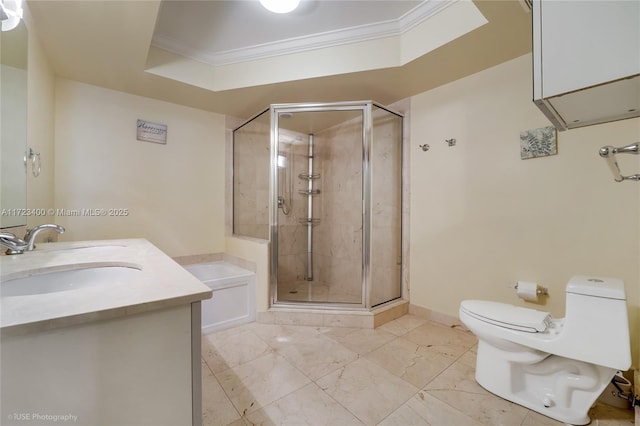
(123, 350)
(141, 369)
(586, 61)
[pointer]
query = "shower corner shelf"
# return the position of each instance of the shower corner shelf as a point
(310, 221)
(306, 176)
(309, 191)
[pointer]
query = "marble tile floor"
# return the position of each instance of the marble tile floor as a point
(407, 372)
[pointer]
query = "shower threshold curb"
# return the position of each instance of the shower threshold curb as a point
(288, 315)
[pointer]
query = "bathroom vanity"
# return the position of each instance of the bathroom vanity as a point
(101, 332)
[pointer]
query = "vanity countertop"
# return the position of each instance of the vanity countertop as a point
(161, 283)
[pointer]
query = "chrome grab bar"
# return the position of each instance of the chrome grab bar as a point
(609, 153)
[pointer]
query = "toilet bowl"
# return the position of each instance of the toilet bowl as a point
(557, 367)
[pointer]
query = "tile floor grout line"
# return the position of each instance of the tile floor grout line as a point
(222, 388)
(361, 356)
(276, 352)
(272, 350)
(338, 402)
(423, 388)
(342, 405)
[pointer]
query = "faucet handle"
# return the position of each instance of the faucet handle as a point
(13, 244)
(30, 236)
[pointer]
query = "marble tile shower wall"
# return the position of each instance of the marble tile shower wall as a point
(337, 244)
(337, 239)
(251, 180)
(292, 236)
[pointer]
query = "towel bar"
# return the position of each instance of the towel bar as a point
(609, 153)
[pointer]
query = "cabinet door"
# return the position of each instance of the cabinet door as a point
(585, 42)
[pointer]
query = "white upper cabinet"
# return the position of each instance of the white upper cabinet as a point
(586, 60)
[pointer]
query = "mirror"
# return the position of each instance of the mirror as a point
(13, 125)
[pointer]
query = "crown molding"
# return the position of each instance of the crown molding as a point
(378, 30)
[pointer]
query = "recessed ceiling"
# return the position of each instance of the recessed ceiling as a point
(227, 31)
(385, 50)
(234, 44)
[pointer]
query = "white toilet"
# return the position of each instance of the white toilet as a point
(557, 367)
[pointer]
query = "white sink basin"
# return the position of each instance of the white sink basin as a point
(52, 282)
(105, 249)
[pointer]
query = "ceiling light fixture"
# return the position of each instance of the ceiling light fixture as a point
(11, 12)
(280, 6)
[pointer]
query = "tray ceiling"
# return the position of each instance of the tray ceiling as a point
(232, 57)
(231, 31)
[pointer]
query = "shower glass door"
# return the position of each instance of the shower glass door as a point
(317, 225)
(385, 158)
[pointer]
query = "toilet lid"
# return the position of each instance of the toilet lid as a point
(508, 316)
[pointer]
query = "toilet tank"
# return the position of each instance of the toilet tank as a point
(596, 327)
(610, 288)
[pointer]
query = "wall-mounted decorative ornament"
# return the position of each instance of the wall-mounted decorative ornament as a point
(538, 143)
(151, 132)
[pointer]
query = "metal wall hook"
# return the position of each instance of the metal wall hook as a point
(425, 147)
(36, 162)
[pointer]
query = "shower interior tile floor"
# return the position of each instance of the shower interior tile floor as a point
(407, 372)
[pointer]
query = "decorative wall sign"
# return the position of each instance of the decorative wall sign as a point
(538, 143)
(152, 132)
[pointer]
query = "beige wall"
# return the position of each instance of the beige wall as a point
(40, 134)
(482, 218)
(40, 122)
(174, 193)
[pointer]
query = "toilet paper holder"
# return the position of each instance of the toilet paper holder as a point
(540, 291)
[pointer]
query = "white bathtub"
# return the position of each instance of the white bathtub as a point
(234, 294)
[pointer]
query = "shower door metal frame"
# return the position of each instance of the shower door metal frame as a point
(367, 127)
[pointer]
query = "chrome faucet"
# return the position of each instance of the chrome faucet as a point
(30, 237)
(13, 244)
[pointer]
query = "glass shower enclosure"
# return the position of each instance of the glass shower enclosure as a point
(323, 183)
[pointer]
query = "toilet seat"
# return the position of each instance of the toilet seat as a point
(507, 316)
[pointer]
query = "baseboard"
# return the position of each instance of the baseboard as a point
(439, 317)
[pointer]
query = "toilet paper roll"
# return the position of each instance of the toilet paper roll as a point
(528, 291)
